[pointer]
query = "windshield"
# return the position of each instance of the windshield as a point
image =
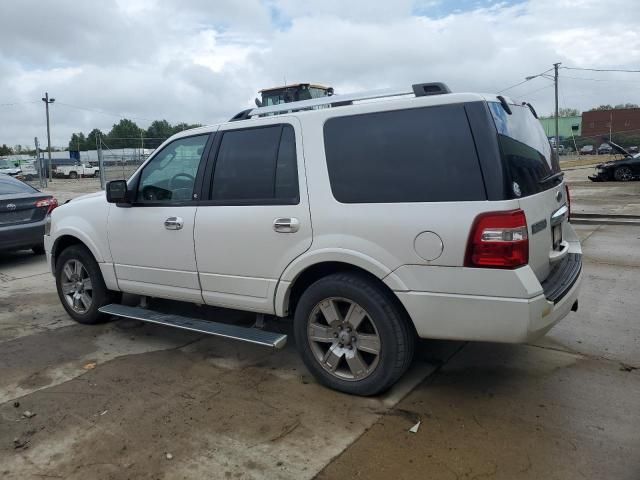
(525, 150)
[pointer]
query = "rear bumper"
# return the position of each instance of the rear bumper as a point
(26, 235)
(481, 318)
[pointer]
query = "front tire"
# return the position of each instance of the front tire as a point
(73, 175)
(623, 174)
(352, 335)
(80, 285)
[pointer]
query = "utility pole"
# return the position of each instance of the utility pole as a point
(555, 81)
(47, 101)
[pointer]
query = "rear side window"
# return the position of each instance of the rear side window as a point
(10, 186)
(525, 150)
(416, 155)
(257, 164)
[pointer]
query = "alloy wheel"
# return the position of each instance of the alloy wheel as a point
(76, 286)
(344, 339)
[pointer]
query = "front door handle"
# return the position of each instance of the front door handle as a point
(286, 225)
(174, 223)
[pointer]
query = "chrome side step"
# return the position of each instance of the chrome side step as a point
(251, 335)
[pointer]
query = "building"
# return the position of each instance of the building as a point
(566, 126)
(598, 123)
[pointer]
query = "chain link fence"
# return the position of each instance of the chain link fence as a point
(117, 159)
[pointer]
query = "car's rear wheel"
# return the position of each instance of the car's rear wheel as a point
(73, 175)
(80, 285)
(352, 335)
(623, 174)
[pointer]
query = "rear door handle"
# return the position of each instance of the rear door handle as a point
(174, 223)
(286, 225)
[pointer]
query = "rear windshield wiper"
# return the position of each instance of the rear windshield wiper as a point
(551, 177)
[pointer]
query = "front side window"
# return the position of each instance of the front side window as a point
(171, 175)
(257, 165)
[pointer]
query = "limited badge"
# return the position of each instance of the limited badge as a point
(516, 189)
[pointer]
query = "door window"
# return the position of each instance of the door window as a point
(257, 166)
(171, 175)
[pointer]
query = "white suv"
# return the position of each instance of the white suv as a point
(370, 219)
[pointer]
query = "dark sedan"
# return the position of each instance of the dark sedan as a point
(23, 213)
(622, 170)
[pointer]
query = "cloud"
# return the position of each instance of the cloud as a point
(200, 61)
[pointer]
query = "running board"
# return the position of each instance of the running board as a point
(251, 335)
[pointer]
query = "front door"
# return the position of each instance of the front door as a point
(152, 240)
(254, 219)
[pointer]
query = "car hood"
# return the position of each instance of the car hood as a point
(619, 149)
(101, 193)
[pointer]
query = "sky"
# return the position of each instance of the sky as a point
(201, 61)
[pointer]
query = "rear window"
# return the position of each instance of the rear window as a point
(9, 186)
(525, 150)
(416, 155)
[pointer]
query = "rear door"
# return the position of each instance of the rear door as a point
(254, 219)
(534, 178)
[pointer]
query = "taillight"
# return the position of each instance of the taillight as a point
(566, 188)
(48, 203)
(498, 240)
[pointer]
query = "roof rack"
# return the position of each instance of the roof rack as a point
(418, 90)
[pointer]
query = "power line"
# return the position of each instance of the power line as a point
(524, 81)
(16, 103)
(523, 95)
(104, 112)
(601, 69)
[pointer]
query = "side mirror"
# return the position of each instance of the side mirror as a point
(117, 192)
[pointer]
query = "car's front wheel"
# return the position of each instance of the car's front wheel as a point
(623, 174)
(80, 285)
(352, 335)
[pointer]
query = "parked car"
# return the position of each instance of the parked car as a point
(618, 170)
(23, 213)
(633, 149)
(605, 149)
(28, 171)
(587, 150)
(9, 168)
(75, 171)
(430, 214)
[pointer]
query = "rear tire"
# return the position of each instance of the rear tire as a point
(80, 285)
(352, 335)
(73, 175)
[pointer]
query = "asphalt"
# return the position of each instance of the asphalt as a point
(126, 400)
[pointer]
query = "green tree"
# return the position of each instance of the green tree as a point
(185, 126)
(78, 142)
(5, 150)
(91, 140)
(125, 134)
(158, 132)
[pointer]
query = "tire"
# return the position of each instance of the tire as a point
(96, 174)
(622, 174)
(73, 175)
(86, 312)
(343, 359)
(38, 249)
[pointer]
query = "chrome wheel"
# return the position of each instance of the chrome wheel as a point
(343, 338)
(76, 286)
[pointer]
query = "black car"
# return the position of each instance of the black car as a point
(618, 170)
(23, 212)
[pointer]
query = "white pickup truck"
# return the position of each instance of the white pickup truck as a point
(75, 171)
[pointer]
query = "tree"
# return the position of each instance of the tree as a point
(5, 150)
(569, 112)
(92, 139)
(158, 132)
(78, 142)
(125, 134)
(626, 105)
(184, 126)
(602, 107)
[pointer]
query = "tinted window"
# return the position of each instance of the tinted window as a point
(525, 149)
(170, 176)
(417, 155)
(257, 164)
(10, 186)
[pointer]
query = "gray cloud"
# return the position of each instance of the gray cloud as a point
(200, 61)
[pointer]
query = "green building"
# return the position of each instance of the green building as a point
(567, 126)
